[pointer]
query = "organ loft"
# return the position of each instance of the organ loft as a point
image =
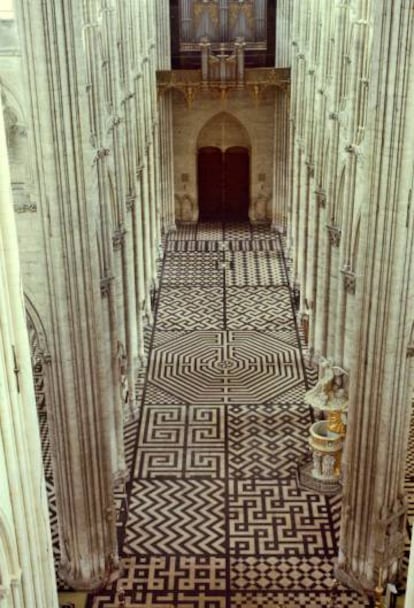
(206, 303)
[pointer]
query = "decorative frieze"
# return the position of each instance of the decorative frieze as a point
(334, 234)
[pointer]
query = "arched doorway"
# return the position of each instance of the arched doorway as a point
(223, 183)
(223, 169)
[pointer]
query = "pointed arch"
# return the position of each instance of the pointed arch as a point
(223, 130)
(10, 571)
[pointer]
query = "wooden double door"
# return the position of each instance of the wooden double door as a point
(223, 184)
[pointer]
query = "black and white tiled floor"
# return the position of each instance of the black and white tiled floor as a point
(212, 516)
(215, 517)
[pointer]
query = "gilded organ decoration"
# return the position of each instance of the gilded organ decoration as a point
(223, 22)
(241, 19)
(206, 19)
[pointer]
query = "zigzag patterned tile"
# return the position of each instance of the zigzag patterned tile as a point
(190, 308)
(45, 443)
(176, 516)
(276, 518)
(266, 440)
(243, 245)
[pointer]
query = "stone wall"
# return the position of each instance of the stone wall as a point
(256, 131)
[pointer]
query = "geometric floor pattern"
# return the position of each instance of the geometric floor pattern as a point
(212, 516)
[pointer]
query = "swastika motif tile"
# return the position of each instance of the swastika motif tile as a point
(266, 440)
(255, 268)
(263, 308)
(276, 518)
(225, 367)
(175, 516)
(190, 308)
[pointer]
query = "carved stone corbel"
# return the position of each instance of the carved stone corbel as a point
(130, 202)
(334, 234)
(321, 198)
(349, 280)
(118, 237)
(105, 284)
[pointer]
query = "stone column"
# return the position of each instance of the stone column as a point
(26, 558)
(53, 52)
(373, 514)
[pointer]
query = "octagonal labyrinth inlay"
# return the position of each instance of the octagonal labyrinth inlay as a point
(204, 367)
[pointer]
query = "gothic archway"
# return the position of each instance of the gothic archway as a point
(223, 169)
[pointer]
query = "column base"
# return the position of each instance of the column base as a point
(95, 581)
(120, 477)
(348, 578)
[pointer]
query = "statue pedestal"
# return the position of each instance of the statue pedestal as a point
(326, 448)
(323, 473)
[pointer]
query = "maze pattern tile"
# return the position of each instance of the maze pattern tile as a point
(179, 441)
(256, 268)
(276, 518)
(225, 367)
(266, 441)
(176, 516)
(190, 308)
(192, 269)
(263, 308)
(309, 599)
